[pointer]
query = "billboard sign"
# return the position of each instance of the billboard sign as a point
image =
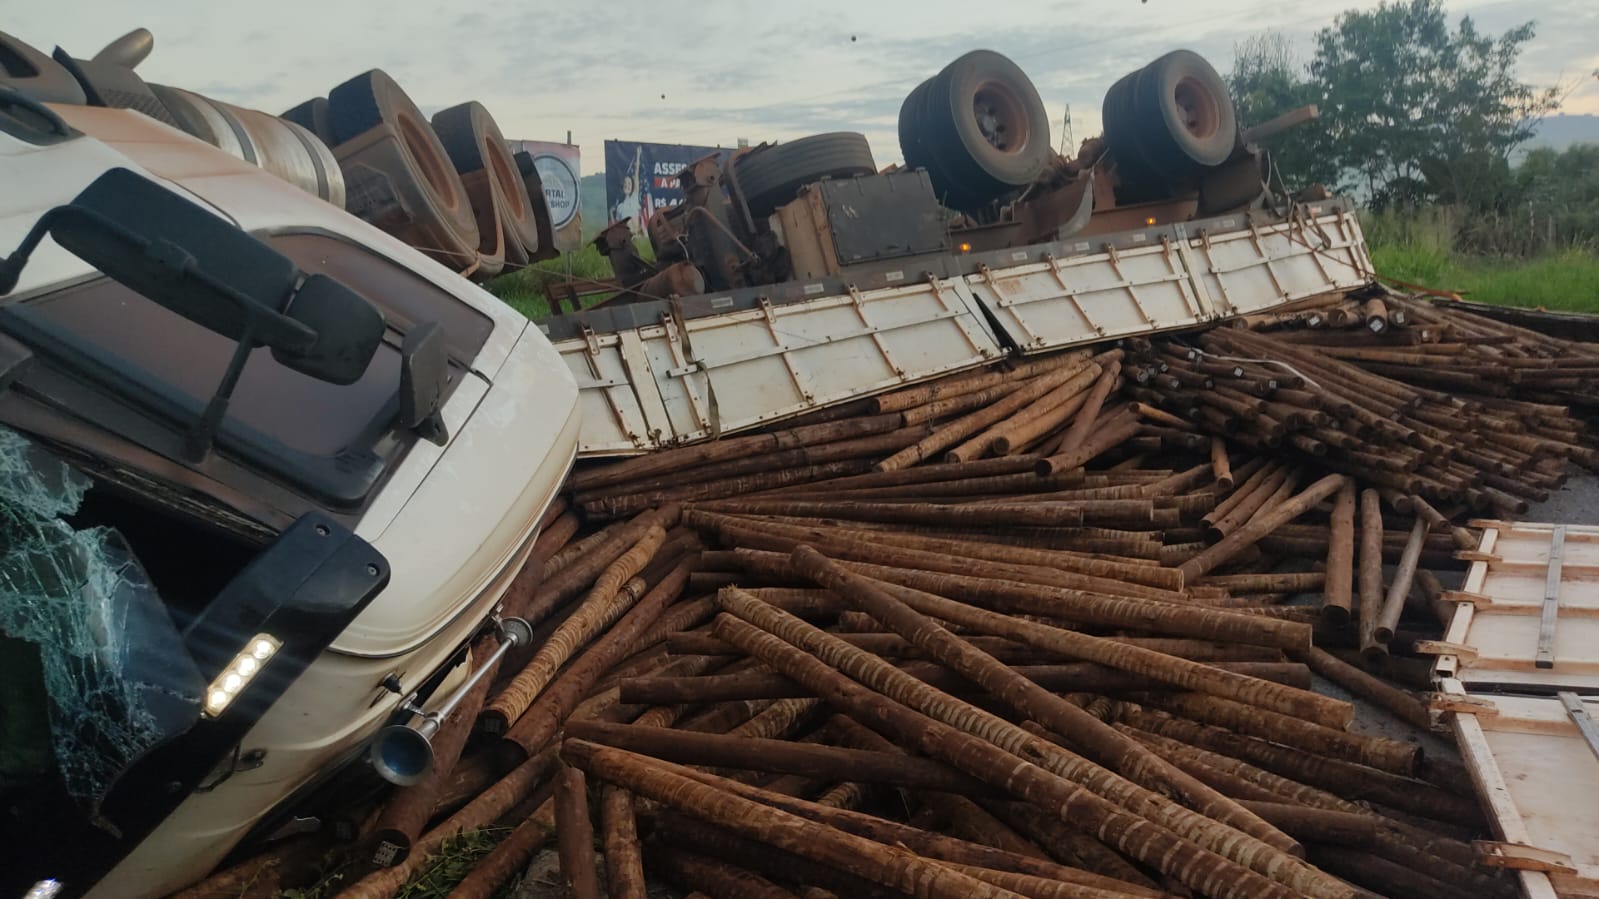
(558, 168)
(641, 179)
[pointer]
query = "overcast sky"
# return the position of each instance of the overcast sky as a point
(712, 71)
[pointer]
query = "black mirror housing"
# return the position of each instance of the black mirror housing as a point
(161, 245)
(348, 330)
(424, 370)
(211, 272)
(201, 266)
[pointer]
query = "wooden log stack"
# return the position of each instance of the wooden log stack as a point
(1055, 628)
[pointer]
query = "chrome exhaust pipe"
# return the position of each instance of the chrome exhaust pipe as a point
(403, 753)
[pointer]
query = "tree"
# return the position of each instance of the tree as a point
(1557, 197)
(1413, 111)
(1266, 81)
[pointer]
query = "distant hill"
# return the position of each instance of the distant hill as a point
(1561, 131)
(591, 203)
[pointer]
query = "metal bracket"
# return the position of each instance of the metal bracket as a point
(859, 302)
(295, 826)
(1551, 600)
(1185, 250)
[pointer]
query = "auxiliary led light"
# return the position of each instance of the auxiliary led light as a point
(237, 675)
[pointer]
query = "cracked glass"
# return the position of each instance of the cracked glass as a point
(88, 645)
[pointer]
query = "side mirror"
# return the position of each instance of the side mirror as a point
(218, 276)
(180, 256)
(348, 330)
(424, 369)
(204, 268)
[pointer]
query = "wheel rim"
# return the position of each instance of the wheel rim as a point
(1001, 117)
(1197, 108)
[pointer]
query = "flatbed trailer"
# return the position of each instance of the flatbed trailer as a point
(664, 373)
(1518, 672)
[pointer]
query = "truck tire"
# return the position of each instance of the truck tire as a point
(980, 127)
(919, 154)
(769, 177)
(372, 100)
(35, 75)
(910, 135)
(189, 119)
(1137, 177)
(542, 218)
(474, 144)
(1185, 115)
(312, 115)
(462, 130)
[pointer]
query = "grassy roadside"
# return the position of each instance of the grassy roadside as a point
(1416, 250)
(1420, 247)
(524, 289)
(1567, 281)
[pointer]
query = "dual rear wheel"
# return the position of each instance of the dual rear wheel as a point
(1168, 122)
(979, 129)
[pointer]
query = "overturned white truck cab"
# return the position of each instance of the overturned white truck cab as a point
(264, 472)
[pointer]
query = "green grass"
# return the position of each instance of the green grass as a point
(1567, 281)
(454, 860)
(525, 290)
(1416, 248)
(1420, 247)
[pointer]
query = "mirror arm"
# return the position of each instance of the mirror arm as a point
(11, 268)
(197, 442)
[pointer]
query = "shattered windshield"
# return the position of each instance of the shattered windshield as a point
(93, 674)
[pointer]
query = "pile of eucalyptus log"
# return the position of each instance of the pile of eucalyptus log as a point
(1041, 630)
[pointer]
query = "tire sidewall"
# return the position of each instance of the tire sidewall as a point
(964, 77)
(1159, 109)
(772, 176)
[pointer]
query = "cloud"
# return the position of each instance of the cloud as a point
(728, 68)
